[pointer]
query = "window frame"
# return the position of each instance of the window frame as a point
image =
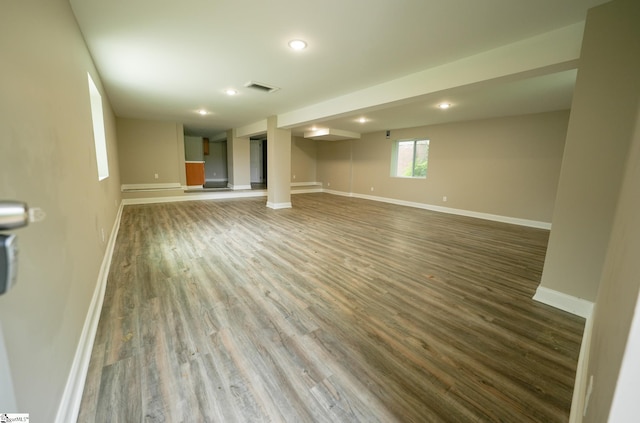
(99, 135)
(394, 157)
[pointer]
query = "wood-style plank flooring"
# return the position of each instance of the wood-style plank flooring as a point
(337, 310)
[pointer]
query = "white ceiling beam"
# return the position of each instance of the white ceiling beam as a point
(546, 53)
(256, 128)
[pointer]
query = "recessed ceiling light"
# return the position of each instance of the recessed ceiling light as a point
(230, 91)
(444, 106)
(297, 44)
(362, 120)
(202, 112)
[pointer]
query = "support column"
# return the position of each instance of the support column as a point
(278, 165)
(598, 139)
(238, 160)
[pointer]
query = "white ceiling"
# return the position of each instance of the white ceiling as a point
(165, 60)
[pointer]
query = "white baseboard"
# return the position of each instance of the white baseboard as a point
(278, 206)
(582, 308)
(72, 396)
(150, 187)
(217, 180)
(238, 187)
(574, 305)
(459, 212)
(193, 187)
(312, 187)
(204, 195)
(305, 184)
(306, 191)
(340, 193)
(580, 384)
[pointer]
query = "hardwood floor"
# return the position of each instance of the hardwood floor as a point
(337, 310)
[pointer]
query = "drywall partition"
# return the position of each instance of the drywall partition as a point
(334, 165)
(617, 302)
(215, 163)
(238, 161)
(151, 153)
(595, 241)
(278, 166)
(495, 167)
(47, 159)
(602, 121)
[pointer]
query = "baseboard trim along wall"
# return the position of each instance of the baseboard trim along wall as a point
(460, 212)
(570, 304)
(340, 193)
(278, 206)
(305, 187)
(306, 191)
(204, 195)
(150, 187)
(582, 308)
(72, 396)
(238, 187)
(305, 184)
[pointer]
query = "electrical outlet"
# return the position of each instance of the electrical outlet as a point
(155, 176)
(371, 188)
(328, 184)
(214, 173)
(102, 234)
(444, 199)
(294, 176)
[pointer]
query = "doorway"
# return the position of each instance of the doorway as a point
(258, 162)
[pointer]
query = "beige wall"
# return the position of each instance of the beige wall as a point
(47, 158)
(303, 160)
(215, 163)
(334, 165)
(149, 147)
(193, 148)
(506, 166)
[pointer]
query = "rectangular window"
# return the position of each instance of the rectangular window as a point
(99, 137)
(409, 158)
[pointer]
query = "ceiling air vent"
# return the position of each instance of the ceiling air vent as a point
(261, 87)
